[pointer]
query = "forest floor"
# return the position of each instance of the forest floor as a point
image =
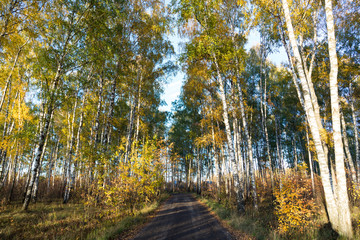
(262, 224)
(54, 220)
(183, 217)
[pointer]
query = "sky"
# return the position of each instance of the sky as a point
(172, 89)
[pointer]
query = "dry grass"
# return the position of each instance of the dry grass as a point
(251, 225)
(48, 221)
(71, 221)
(263, 224)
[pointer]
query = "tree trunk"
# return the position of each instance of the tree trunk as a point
(42, 136)
(189, 176)
(36, 186)
(95, 133)
(173, 175)
(132, 116)
(217, 163)
(198, 177)
(310, 161)
(138, 115)
(71, 168)
(295, 153)
(314, 120)
(249, 145)
(129, 133)
(265, 129)
(278, 147)
(8, 80)
(344, 220)
(356, 133)
(52, 162)
(238, 190)
(107, 132)
(348, 160)
(37, 158)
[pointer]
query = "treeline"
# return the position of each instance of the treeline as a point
(80, 95)
(253, 128)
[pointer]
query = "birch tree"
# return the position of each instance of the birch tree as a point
(339, 218)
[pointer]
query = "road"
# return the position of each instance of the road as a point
(183, 217)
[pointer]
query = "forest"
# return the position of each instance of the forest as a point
(88, 153)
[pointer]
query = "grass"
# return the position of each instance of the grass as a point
(251, 224)
(127, 223)
(263, 224)
(71, 221)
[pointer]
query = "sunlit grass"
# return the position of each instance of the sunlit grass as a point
(250, 224)
(71, 221)
(49, 221)
(263, 224)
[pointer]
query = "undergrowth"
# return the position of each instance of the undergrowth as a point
(71, 221)
(287, 213)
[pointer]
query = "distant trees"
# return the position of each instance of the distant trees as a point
(263, 112)
(80, 87)
(80, 81)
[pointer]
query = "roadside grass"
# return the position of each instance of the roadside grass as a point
(113, 231)
(68, 221)
(263, 224)
(251, 224)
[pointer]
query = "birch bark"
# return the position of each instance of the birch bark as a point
(336, 197)
(249, 145)
(132, 116)
(313, 122)
(217, 163)
(71, 169)
(238, 190)
(356, 133)
(38, 152)
(310, 161)
(348, 160)
(345, 227)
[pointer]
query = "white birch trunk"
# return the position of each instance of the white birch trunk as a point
(264, 123)
(8, 80)
(71, 168)
(132, 116)
(138, 114)
(356, 133)
(129, 133)
(36, 185)
(251, 165)
(110, 114)
(13, 175)
(36, 161)
(217, 162)
(198, 175)
(278, 147)
(95, 131)
(295, 153)
(313, 122)
(348, 159)
(345, 227)
(52, 163)
(310, 162)
(238, 190)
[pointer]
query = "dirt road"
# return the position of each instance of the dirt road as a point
(183, 217)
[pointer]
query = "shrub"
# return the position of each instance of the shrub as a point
(295, 204)
(139, 180)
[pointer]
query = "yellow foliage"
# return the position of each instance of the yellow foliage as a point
(295, 205)
(355, 191)
(139, 180)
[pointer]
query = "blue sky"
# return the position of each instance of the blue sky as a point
(173, 87)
